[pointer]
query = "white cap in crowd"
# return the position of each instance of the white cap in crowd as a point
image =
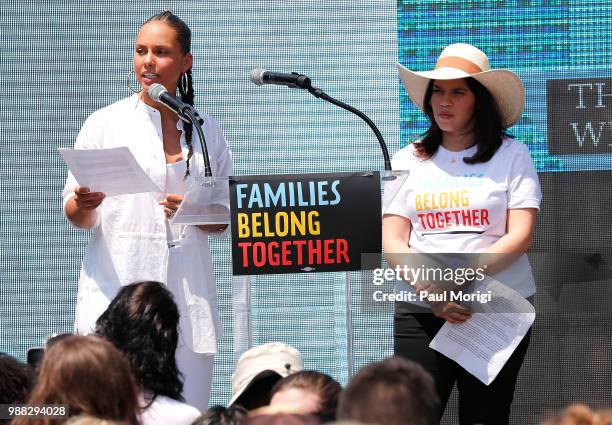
(272, 357)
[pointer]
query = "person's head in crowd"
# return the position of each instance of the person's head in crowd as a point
(54, 339)
(259, 369)
(346, 422)
(90, 420)
(16, 381)
(283, 419)
(394, 391)
(580, 414)
(221, 415)
(36, 354)
(142, 321)
(88, 375)
(308, 392)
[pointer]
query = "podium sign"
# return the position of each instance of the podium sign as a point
(304, 223)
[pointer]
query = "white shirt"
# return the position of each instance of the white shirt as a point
(175, 183)
(456, 207)
(129, 240)
(165, 410)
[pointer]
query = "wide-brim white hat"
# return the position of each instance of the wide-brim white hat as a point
(464, 60)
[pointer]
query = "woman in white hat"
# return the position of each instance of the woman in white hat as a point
(471, 189)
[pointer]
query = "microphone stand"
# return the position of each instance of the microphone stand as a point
(193, 117)
(318, 93)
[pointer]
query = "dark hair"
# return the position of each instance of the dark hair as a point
(391, 392)
(489, 131)
(183, 36)
(326, 388)
(90, 376)
(16, 381)
(142, 322)
(221, 415)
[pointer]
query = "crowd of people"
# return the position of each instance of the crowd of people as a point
(126, 374)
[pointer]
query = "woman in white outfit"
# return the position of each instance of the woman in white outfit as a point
(132, 239)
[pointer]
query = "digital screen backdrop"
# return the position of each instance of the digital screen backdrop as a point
(543, 42)
(62, 60)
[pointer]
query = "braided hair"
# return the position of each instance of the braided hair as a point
(185, 82)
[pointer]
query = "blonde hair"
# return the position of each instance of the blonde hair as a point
(580, 414)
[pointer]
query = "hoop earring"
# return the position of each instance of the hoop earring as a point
(129, 81)
(184, 82)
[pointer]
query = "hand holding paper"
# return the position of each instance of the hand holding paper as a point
(171, 204)
(483, 344)
(110, 171)
(205, 203)
(85, 199)
(451, 312)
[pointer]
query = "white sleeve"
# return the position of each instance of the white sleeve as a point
(223, 154)
(223, 158)
(524, 185)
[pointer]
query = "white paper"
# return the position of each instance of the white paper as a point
(111, 171)
(206, 202)
(483, 344)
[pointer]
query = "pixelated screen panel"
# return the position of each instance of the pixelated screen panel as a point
(561, 51)
(63, 60)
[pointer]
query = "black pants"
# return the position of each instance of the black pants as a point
(415, 327)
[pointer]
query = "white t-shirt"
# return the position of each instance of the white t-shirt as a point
(165, 410)
(456, 207)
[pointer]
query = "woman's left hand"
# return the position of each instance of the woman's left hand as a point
(171, 203)
(451, 312)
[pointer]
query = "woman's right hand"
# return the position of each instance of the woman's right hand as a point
(81, 208)
(87, 200)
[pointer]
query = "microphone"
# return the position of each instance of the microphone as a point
(294, 80)
(160, 94)
(187, 113)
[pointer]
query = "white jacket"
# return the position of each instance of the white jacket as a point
(129, 239)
